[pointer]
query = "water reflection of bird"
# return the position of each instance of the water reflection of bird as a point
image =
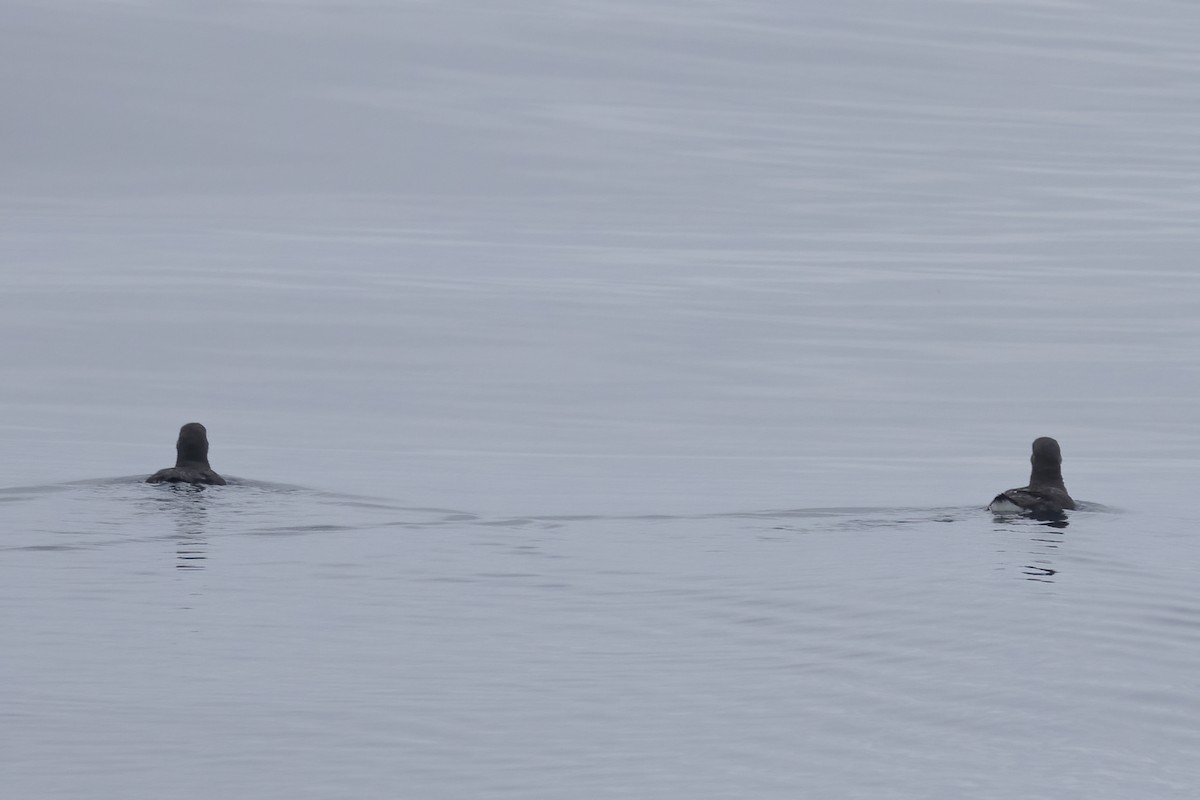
(191, 518)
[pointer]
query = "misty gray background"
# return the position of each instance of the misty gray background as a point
(615, 386)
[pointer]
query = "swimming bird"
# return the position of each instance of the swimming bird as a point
(1046, 492)
(191, 460)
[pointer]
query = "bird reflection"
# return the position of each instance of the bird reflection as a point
(191, 516)
(1047, 535)
(1039, 573)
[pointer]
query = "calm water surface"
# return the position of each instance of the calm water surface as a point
(616, 390)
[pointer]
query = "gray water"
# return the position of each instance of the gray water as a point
(610, 394)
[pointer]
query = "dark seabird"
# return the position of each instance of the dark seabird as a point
(191, 460)
(1046, 492)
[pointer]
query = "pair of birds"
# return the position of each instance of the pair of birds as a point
(1045, 494)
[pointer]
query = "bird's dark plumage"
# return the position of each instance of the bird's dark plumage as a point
(1046, 492)
(191, 459)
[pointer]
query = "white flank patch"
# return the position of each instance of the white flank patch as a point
(1002, 505)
